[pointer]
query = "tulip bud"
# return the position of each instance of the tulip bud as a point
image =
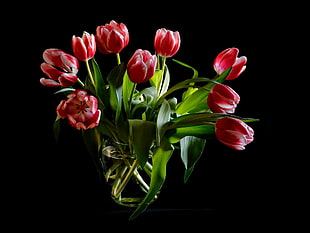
(84, 48)
(141, 66)
(167, 42)
(112, 37)
(222, 99)
(233, 132)
(228, 59)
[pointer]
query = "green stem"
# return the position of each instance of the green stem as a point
(162, 76)
(115, 188)
(118, 58)
(126, 179)
(90, 73)
(130, 99)
(80, 82)
(163, 63)
(158, 62)
(142, 183)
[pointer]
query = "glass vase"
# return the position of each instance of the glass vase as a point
(128, 181)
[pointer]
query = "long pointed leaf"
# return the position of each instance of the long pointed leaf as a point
(162, 118)
(156, 79)
(166, 82)
(201, 131)
(160, 159)
(100, 85)
(115, 79)
(191, 150)
(93, 140)
(142, 137)
(127, 91)
(190, 90)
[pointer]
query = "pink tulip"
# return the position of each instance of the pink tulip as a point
(81, 110)
(228, 59)
(84, 48)
(222, 99)
(141, 66)
(60, 68)
(112, 37)
(233, 132)
(167, 42)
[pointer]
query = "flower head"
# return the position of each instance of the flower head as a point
(84, 47)
(60, 68)
(112, 37)
(228, 58)
(233, 132)
(222, 99)
(81, 110)
(141, 66)
(167, 42)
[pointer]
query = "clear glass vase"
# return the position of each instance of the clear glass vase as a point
(129, 182)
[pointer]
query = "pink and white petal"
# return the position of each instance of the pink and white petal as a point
(50, 71)
(67, 79)
(49, 82)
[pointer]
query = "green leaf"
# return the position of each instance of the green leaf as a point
(56, 127)
(100, 86)
(203, 118)
(107, 128)
(65, 90)
(221, 78)
(196, 119)
(150, 95)
(122, 127)
(190, 90)
(191, 150)
(93, 141)
(115, 79)
(142, 136)
(157, 79)
(201, 131)
(127, 90)
(195, 102)
(166, 82)
(160, 159)
(184, 84)
(187, 173)
(162, 118)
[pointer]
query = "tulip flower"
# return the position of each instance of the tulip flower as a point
(228, 58)
(141, 66)
(112, 37)
(60, 68)
(167, 42)
(233, 132)
(222, 99)
(84, 48)
(81, 110)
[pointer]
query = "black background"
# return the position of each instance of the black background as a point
(53, 185)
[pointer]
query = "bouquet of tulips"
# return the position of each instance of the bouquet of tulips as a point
(132, 132)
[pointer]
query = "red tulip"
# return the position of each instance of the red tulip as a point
(222, 99)
(233, 133)
(60, 68)
(81, 110)
(84, 48)
(228, 59)
(167, 42)
(141, 66)
(112, 37)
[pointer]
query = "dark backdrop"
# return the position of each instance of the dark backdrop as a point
(57, 183)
